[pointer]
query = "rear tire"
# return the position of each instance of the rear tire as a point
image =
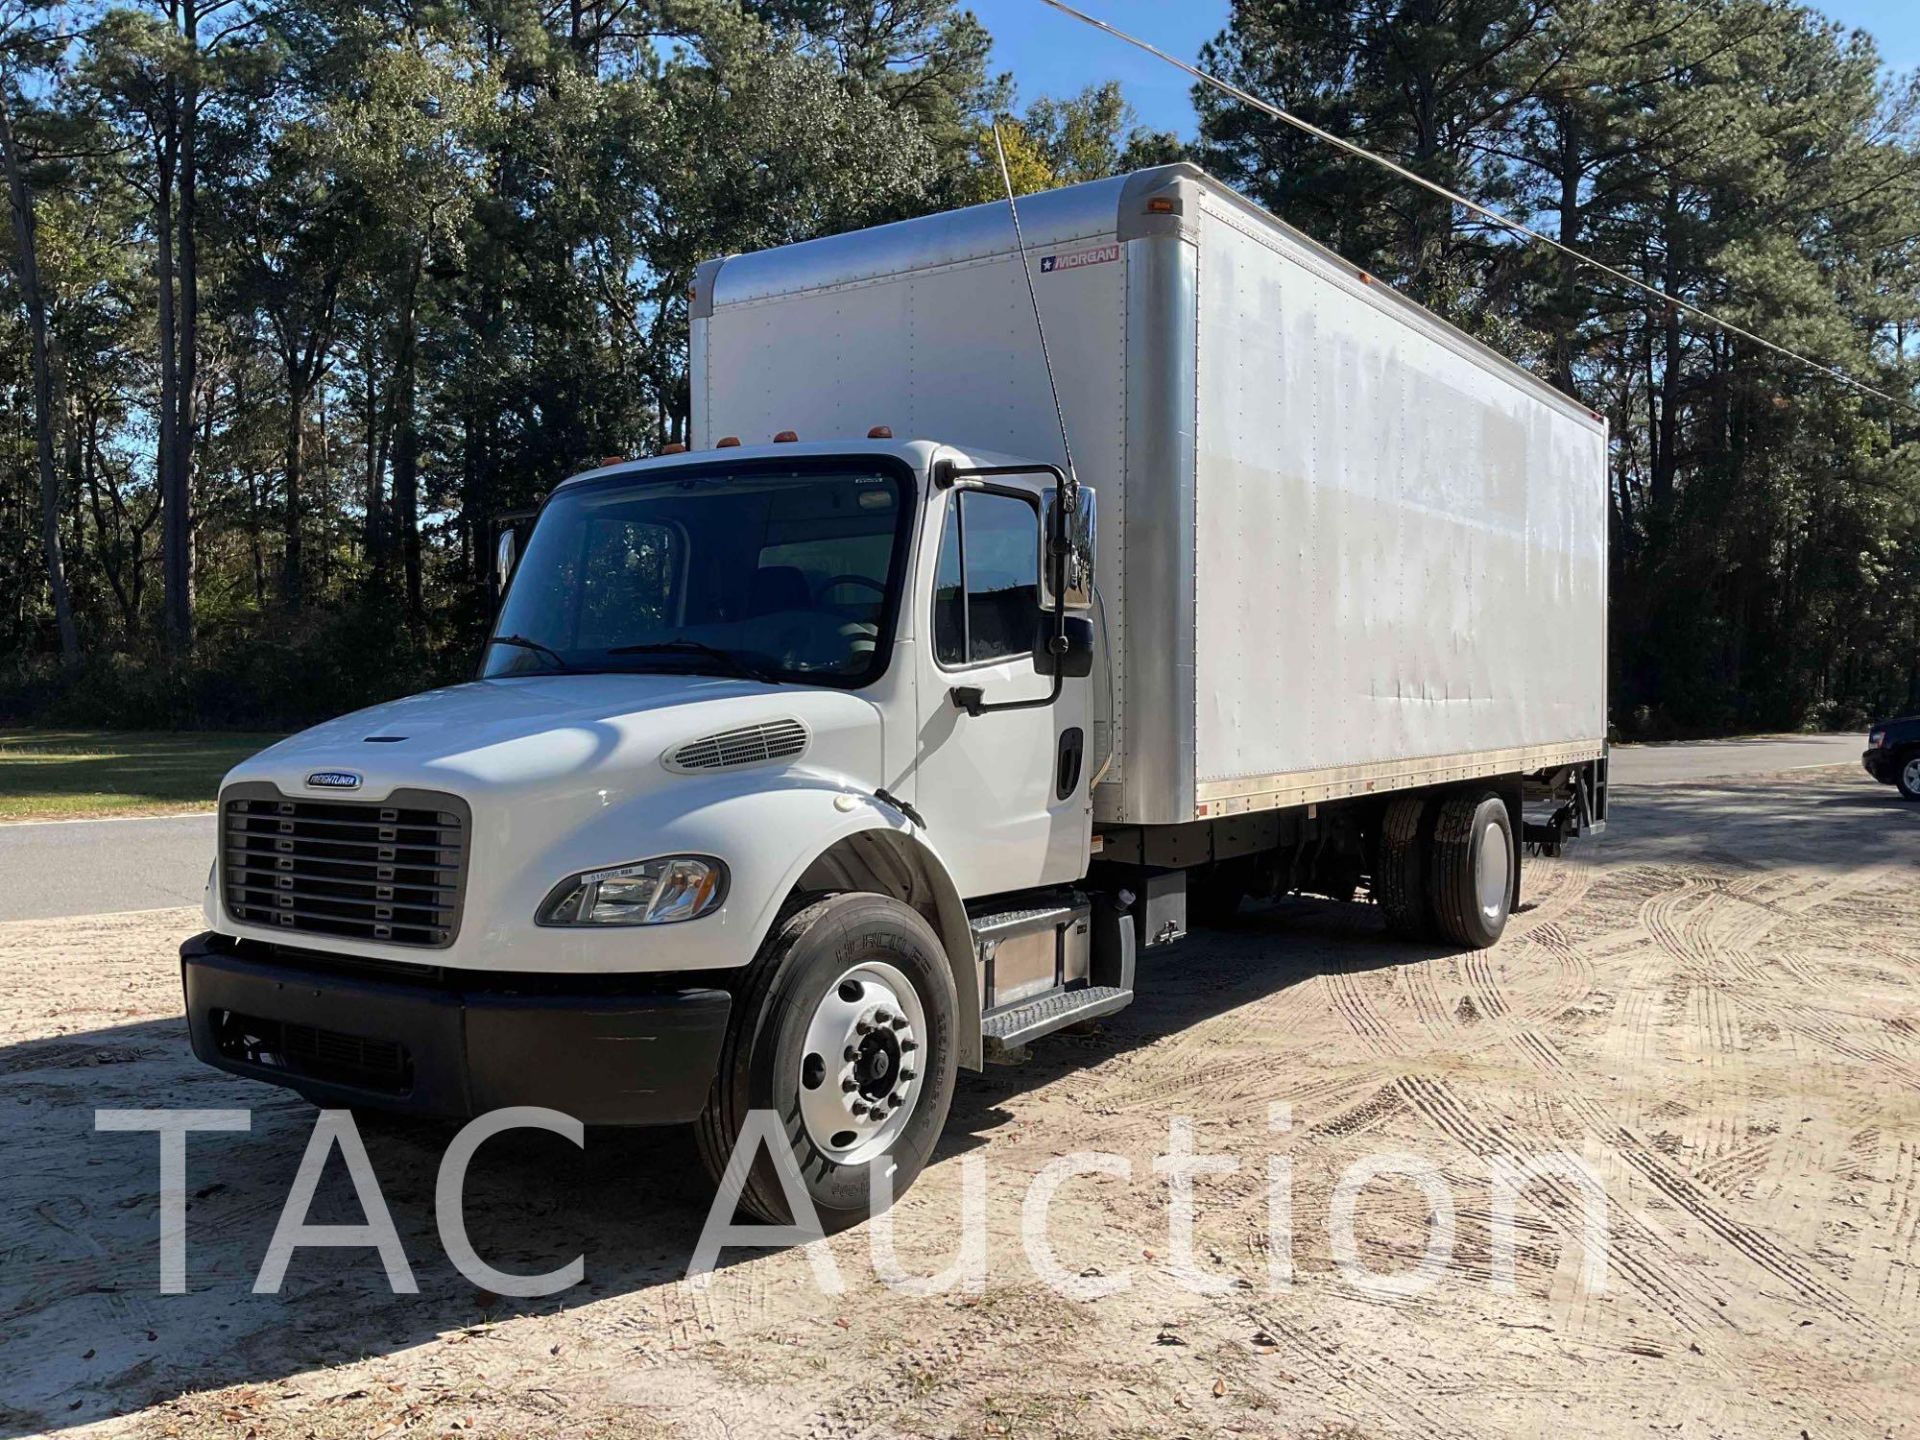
(1400, 869)
(1470, 879)
(1907, 777)
(849, 1004)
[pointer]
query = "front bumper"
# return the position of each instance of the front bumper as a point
(1880, 765)
(449, 1043)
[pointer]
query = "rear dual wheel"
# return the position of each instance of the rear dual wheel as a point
(846, 1033)
(1445, 867)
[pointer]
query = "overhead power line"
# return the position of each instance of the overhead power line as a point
(1505, 222)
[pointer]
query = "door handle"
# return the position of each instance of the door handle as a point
(1066, 770)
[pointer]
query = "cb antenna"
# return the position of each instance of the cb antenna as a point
(1070, 500)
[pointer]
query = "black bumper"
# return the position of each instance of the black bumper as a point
(453, 1045)
(1880, 764)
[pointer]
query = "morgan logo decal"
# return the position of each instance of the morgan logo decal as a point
(1076, 259)
(334, 780)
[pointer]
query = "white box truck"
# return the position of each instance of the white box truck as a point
(807, 764)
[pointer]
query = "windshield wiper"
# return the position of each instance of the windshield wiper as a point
(734, 661)
(522, 642)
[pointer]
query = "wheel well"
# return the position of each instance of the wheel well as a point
(888, 862)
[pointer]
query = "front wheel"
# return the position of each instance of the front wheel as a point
(1908, 776)
(845, 1032)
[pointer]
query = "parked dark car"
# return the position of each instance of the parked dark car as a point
(1892, 755)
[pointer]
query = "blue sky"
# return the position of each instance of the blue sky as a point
(1051, 54)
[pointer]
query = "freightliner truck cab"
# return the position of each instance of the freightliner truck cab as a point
(771, 793)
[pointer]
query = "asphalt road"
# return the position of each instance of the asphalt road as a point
(1680, 761)
(98, 867)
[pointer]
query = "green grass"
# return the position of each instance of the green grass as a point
(64, 774)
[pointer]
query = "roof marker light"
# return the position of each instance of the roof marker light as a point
(673, 447)
(613, 459)
(727, 442)
(880, 432)
(785, 437)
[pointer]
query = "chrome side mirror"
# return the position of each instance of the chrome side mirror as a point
(1081, 558)
(503, 556)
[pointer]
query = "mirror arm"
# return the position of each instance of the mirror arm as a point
(972, 699)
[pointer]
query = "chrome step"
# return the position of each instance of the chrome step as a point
(1014, 1026)
(1010, 924)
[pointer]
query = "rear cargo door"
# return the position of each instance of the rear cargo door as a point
(1004, 792)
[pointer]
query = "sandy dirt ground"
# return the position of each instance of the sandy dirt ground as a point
(1717, 1005)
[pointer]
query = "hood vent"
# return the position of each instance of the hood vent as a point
(749, 745)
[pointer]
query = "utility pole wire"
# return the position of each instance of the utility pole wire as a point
(1503, 221)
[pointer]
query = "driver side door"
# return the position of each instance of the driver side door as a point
(1004, 792)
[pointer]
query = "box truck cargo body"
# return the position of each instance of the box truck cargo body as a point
(1343, 546)
(897, 720)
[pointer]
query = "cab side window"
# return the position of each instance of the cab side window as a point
(987, 584)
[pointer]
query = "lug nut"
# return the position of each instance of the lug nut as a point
(859, 1108)
(907, 1047)
(862, 1028)
(899, 1022)
(847, 1087)
(895, 1100)
(850, 1054)
(906, 1074)
(883, 1016)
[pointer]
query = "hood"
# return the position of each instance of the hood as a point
(529, 732)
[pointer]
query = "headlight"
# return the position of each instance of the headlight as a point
(1874, 737)
(647, 892)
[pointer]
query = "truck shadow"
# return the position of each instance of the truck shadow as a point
(1265, 950)
(91, 1336)
(86, 1332)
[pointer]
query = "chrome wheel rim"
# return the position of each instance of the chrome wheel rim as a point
(1911, 774)
(1495, 880)
(862, 1065)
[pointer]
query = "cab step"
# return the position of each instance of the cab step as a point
(1008, 1029)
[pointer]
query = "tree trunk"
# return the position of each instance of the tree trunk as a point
(256, 545)
(406, 443)
(1568, 314)
(175, 500)
(296, 458)
(27, 270)
(188, 322)
(374, 500)
(1666, 457)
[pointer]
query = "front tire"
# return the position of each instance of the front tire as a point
(1907, 777)
(846, 1032)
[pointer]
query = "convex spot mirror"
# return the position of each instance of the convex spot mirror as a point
(1076, 663)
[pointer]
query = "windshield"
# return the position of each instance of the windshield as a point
(776, 571)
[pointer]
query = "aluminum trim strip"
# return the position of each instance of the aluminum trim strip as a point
(1246, 794)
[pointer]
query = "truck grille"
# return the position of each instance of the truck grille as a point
(393, 871)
